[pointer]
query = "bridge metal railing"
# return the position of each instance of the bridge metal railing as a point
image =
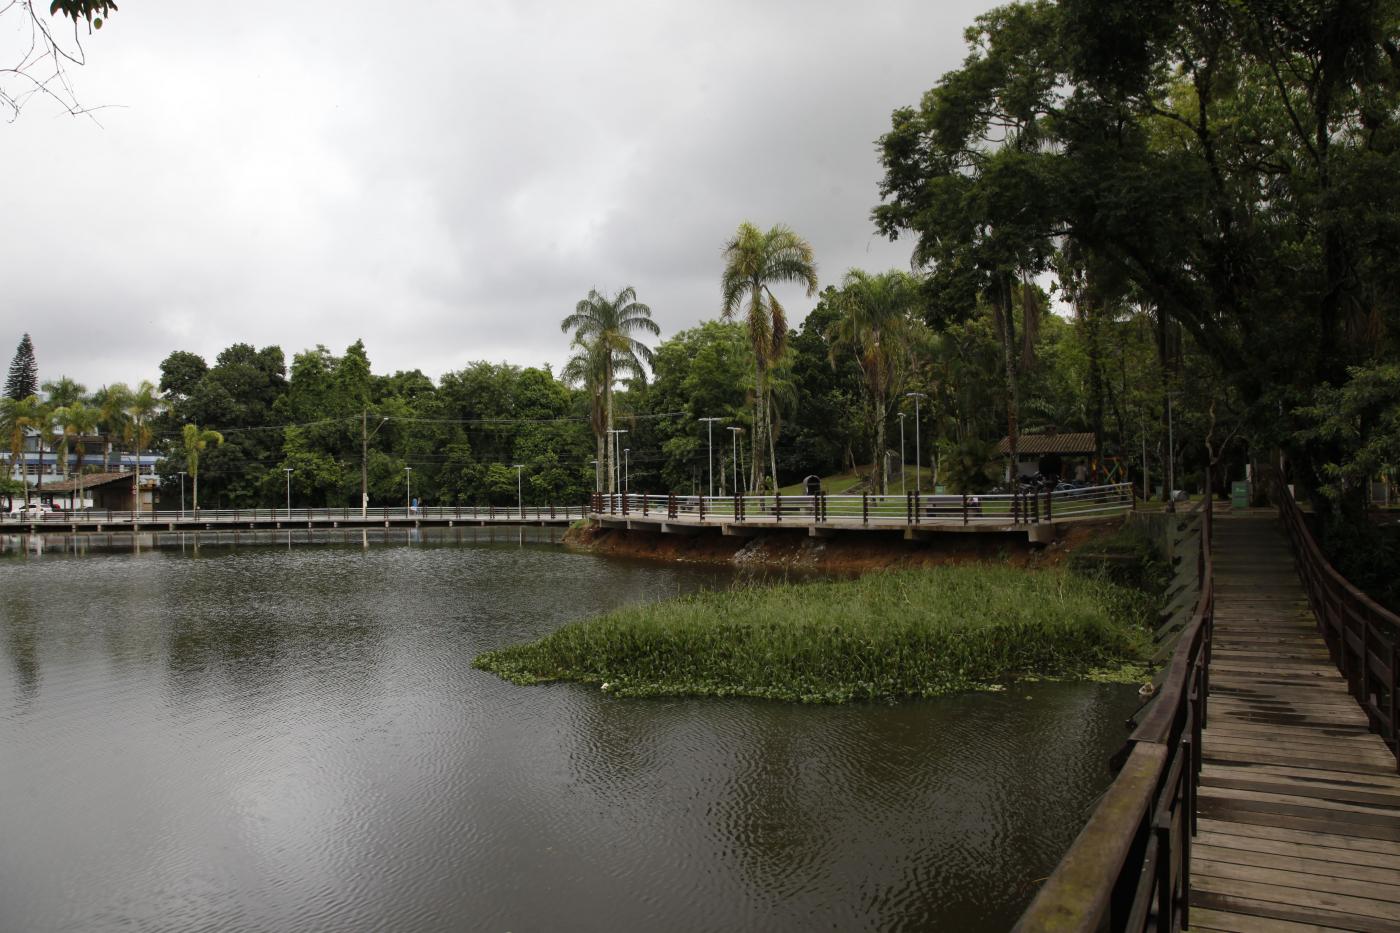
(901, 510)
(1361, 634)
(318, 516)
(1130, 867)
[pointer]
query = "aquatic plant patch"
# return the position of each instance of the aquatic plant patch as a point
(885, 636)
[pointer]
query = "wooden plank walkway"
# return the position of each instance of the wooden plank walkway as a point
(1299, 802)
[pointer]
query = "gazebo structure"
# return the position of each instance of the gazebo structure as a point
(1068, 456)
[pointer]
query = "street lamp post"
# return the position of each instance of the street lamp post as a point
(365, 435)
(182, 493)
(288, 471)
(408, 489)
(902, 490)
(734, 441)
(916, 396)
(710, 428)
(613, 479)
(519, 489)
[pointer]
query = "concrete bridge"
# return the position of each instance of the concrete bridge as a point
(916, 515)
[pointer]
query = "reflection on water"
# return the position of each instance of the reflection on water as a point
(268, 738)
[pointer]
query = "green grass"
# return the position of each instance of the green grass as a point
(884, 636)
(838, 483)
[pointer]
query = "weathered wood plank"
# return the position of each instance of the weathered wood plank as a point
(1306, 900)
(1302, 837)
(1383, 899)
(1255, 907)
(1219, 921)
(1373, 875)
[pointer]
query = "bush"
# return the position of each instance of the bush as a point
(884, 636)
(1129, 557)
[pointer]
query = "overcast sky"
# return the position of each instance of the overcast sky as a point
(445, 185)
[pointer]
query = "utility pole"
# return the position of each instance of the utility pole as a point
(519, 489)
(182, 493)
(288, 471)
(597, 475)
(710, 428)
(916, 396)
(626, 471)
(408, 489)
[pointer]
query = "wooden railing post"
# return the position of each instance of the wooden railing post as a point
(865, 508)
(778, 503)
(916, 506)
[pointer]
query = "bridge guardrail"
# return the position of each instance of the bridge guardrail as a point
(1361, 634)
(913, 508)
(1130, 867)
(529, 513)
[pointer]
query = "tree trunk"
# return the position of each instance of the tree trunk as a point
(1008, 352)
(612, 438)
(759, 432)
(195, 477)
(884, 461)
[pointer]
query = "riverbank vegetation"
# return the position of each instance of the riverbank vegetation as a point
(884, 636)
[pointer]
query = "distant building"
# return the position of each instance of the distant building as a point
(1068, 456)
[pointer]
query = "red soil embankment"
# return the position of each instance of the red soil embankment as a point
(855, 552)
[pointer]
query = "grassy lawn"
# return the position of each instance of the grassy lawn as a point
(885, 636)
(840, 482)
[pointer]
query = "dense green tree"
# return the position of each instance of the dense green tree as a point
(23, 380)
(875, 327)
(1234, 163)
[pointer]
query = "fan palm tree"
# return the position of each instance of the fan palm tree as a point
(874, 326)
(196, 440)
(754, 261)
(604, 329)
(111, 402)
(143, 404)
(17, 416)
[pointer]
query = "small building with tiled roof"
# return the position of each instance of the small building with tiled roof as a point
(104, 490)
(1050, 452)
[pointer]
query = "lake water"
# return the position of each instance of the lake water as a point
(263, 737)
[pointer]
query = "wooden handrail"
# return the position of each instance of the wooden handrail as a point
(1362, 636)
(1134, 854)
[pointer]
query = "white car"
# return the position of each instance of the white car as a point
(33, 510)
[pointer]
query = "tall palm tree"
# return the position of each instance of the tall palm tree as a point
(77, 421)
(196, 440)
(143, 404)
(16, 416)
(586, 370)
(604, 328)
(875, 325)
(111, 402)
(754, 261)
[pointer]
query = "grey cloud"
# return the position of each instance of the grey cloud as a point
(444, 185)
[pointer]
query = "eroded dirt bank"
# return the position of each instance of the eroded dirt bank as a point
(855, 552)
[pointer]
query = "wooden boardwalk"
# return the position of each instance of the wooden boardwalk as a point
(1299, 802)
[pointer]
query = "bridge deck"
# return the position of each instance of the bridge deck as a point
(1299, 802)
